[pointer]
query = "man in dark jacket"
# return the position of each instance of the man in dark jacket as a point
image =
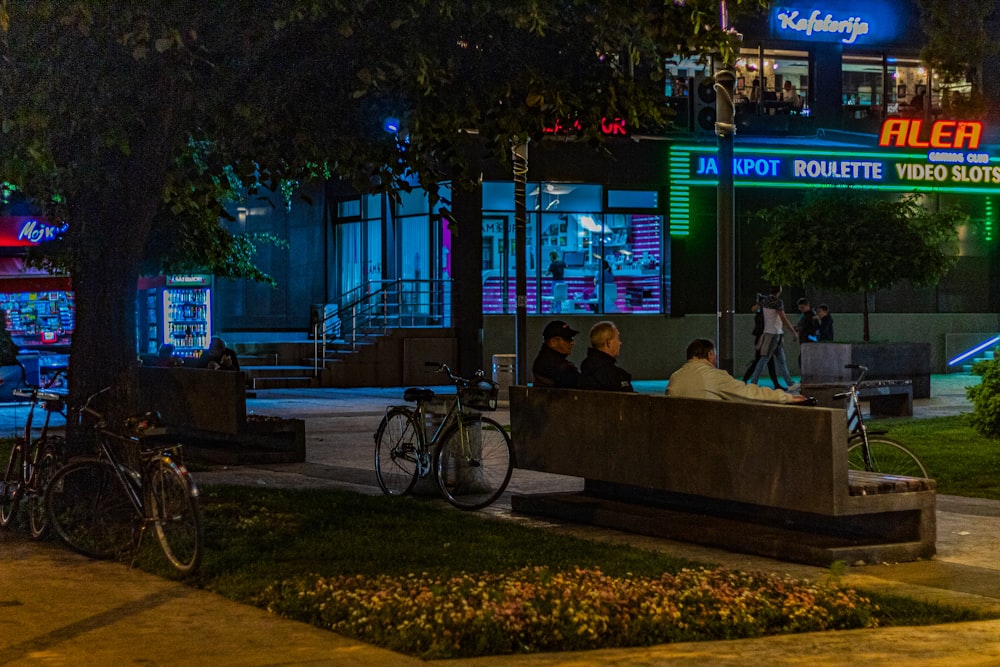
(551, 367)
(599, 369)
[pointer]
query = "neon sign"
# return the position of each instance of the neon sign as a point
(35, 231)
(953, 134)
(23, 230)
(609, 126)
(810, 168)
(817, 22)
(852, 22)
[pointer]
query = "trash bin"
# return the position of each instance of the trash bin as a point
(503, 374)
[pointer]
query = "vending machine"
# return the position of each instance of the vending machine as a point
(186, 314)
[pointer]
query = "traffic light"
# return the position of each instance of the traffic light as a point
(704, 104)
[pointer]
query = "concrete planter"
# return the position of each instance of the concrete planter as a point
(824, 363)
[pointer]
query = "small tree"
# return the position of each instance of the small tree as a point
(852, 241)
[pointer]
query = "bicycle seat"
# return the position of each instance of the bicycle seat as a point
(417, 394)
(145, 425)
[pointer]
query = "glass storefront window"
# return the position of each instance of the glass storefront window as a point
(584, 257)
(761, 79)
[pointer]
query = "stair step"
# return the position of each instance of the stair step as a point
(281, 382)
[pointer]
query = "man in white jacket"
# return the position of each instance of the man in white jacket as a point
(699, 378)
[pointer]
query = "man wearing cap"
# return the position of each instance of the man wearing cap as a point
(551, 367)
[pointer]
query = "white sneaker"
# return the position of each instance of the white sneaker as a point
(793, 388)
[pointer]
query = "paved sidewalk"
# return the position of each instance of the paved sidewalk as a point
(60, 609)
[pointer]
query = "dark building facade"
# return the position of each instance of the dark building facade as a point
(629, 232)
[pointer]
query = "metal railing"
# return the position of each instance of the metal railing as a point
(378, 307)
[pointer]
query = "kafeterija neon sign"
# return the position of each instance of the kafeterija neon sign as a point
(821, 22)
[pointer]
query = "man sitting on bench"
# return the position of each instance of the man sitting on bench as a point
(699, 378)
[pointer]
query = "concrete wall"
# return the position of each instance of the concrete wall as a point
(653, 346)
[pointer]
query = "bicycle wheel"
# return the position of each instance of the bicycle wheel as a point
(474, 463)
(400, 455)
(173, 505)
(12, 485)
(45, 468)
(887, 457)
(91, 511)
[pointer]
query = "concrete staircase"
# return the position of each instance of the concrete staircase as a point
(267, 368)
(985, 355)
(388, 360)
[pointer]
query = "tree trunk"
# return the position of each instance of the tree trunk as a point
(111, 223)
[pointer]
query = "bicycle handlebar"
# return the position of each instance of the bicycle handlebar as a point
(860, 367)
(458, 380)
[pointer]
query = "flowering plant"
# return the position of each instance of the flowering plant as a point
(538, 609)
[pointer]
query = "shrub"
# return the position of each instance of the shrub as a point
(985, 398)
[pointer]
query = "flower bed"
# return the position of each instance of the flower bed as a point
(538, 609)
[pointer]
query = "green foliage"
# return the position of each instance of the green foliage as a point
(942, 21)
(854, 241)
(985, 398)
(136, 122)
(540, 609)
(485, 582)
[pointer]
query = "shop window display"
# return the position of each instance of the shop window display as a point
(580, 258)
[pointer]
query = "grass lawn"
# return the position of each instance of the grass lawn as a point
(320, 555)
(962, 461)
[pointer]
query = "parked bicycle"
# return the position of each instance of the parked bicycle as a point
(102, 505)
(33, 461)
(874, 454)
(469, 454)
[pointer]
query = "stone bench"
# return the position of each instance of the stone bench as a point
(886, 398)
(758, 478)
(206, 410)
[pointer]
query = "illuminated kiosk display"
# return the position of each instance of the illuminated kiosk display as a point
(39, 306)
(944, 157)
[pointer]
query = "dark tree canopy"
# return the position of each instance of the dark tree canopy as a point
(858, 242)
(136, 122)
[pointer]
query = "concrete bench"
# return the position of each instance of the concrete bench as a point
(206, 410)
(886, 398)
(752, 477)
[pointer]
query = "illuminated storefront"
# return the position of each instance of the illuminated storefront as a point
(590, 249)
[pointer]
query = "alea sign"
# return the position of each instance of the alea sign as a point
(942, 134)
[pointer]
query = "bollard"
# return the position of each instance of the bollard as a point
(503, 375)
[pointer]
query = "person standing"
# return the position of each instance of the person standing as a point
(807, 327)
(557, 267)
(701, 378)
(825, 322)
(770, 343)
(758, 331)
(600, 370)
(551, 368)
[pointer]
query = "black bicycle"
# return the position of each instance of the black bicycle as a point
(102, 505)
(874, 454)
(33, 461)
(469, 454)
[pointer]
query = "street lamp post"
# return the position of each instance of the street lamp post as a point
(725, 129)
